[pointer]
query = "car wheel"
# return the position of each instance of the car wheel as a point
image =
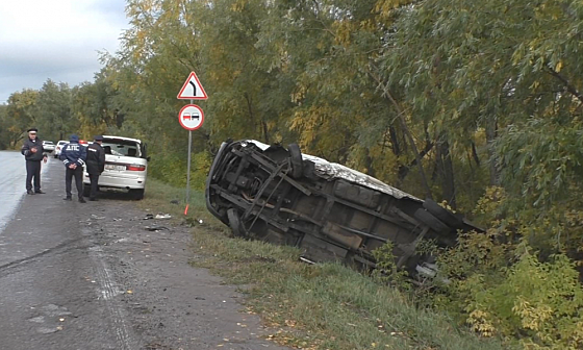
(297, 164)
(137, 194)
(434, 223)
(235, 223)
(442, 214)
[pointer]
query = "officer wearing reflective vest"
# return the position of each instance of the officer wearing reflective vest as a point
(73, 156)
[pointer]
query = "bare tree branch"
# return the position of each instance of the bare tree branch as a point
(565, 82)
(401, 115)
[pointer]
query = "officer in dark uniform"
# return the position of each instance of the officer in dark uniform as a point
(95, 164)
(33, 152)
(73, 156)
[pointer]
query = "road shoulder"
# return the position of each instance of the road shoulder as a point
(169, 303)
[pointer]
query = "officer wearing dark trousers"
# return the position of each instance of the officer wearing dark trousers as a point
(33, 152)
(73, 156)
(95, 164)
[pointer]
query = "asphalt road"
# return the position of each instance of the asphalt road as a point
(94, 276)
(12, 175)
(43, 258)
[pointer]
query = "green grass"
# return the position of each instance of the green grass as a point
(161, 198)
(324, 306)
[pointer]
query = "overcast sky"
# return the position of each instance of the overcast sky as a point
(56, 39)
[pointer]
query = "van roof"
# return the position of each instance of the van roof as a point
(329, 170)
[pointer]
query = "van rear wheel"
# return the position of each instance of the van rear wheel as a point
(235, 223)
(444, 215)
(434, 223)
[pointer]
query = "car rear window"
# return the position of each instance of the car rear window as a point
(119, 147)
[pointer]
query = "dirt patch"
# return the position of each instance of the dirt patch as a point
(169, 304)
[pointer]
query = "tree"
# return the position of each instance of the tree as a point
(53, 111)
(20, 115)
(5, 134)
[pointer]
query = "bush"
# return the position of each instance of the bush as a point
(540, 304)
(501, 286)
(171, 168)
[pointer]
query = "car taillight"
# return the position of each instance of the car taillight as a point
(136, 167)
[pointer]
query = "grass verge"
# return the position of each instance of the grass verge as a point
(313, 307)
(161, 198)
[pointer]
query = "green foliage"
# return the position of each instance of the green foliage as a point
(167, 167)
(5, 134)
(20, 115)
(499, 286)
(47, 109)
(547, 300)
(540, 304)
(199, 170)
(387, 271)
(171, 168)
(53, 115)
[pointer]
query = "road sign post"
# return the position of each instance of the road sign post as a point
(191, 118)
(188, 170)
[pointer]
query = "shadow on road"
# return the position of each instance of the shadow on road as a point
(117, 195)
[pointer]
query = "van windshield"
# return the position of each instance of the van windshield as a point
(118, 147)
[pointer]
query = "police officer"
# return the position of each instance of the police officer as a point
(95, 164)
(73, 156)
(33, 152)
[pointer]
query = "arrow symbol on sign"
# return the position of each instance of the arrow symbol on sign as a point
(193, 87)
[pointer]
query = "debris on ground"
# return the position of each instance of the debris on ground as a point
(156, 228)
(163, 216)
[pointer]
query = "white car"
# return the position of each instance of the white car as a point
(126, 166)
(48, 146)
(59, 148)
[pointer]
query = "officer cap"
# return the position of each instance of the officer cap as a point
(98, 138)
(32, 129)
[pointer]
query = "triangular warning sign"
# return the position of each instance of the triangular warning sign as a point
(192, 89)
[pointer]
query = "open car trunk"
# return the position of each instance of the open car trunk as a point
(329, 211)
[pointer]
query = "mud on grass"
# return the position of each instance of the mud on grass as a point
(324, 306)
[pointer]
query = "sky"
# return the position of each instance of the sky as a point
(55, 39)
